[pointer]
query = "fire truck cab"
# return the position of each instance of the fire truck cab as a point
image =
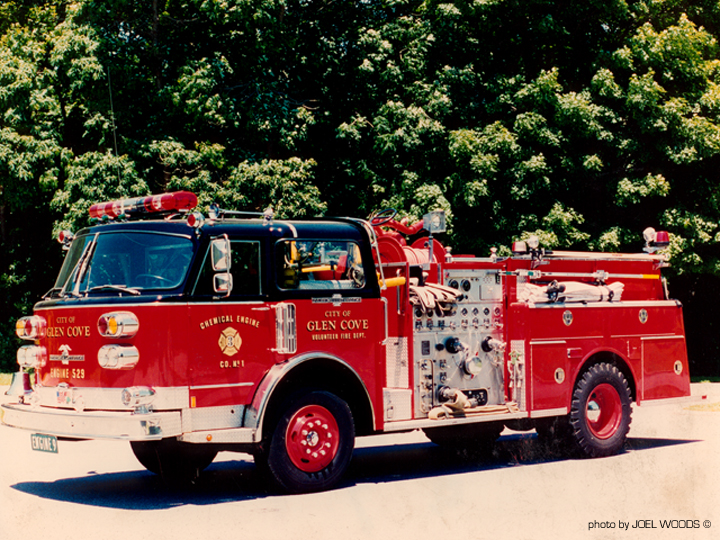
(286, 339)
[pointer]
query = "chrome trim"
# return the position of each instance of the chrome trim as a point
(118, 357)
(561, 411)
(211, 386)
(598, 255)
(407, 425)
(110, 399)
(211, 418)
(478, 259)
(227, 436)
(93, 425)
(127, 324)
(286, 328)
(613, 304)
(255, 412)
(661, 336)
(289, 226)
(37, 356)
(385, 313)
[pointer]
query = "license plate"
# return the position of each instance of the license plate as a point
(44, 443)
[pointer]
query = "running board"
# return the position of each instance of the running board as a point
(409, 425)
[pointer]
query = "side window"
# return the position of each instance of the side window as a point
(314, 264)
(245, 271)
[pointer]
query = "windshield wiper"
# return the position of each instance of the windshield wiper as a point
(78, 271)
(84, 265)
(51, 292)
(121, 288)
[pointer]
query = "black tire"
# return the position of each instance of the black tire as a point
(600, 413)
(311, 445)
(172, 460)
(468, 439)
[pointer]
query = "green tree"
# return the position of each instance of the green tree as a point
(582, 122)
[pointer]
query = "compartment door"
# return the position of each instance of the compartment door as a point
(665, 369)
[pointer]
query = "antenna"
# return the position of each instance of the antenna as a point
(112, 121)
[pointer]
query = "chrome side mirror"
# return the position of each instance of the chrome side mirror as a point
(220, 253)
(223, 283)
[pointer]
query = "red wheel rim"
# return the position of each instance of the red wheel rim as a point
(604, 411)
(312, 438)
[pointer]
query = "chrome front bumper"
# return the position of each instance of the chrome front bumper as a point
(120, 425)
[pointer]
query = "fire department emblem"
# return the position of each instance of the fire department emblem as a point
(643, 316)
(567, 317)
(230, 341)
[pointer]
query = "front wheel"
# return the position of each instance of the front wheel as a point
(312, 443)
(600, 411)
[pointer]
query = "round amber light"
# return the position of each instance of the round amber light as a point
(112, 326)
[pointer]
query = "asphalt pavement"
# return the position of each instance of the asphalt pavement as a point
(665, 484)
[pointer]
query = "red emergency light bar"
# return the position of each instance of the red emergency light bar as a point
(177, 201)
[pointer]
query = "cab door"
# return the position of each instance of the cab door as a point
(338, 313)
(232, 327)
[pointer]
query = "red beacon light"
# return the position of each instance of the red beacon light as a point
(655, 241)
(65, 238)
(177, 201)
(662, 239)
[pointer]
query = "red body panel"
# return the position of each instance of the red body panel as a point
(650, 349)
(162, 341)
(231, 348)
(489, 341)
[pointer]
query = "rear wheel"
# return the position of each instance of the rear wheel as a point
(173, 460)
(600, 414)
(312, 443)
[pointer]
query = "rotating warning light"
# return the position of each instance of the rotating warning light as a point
(195, 220)
(177, 201)
(655, 240)
(31, 328)
(662, 239)
(65, 237)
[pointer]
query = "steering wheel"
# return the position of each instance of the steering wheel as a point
(149, 277)
(382, 217)
(357, 276)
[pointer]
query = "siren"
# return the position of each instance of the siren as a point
(20, 385)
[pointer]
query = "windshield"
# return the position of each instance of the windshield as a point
(132, 261)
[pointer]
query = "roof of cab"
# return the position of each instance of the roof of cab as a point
(323, 228)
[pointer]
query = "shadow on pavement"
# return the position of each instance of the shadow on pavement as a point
(233, 481)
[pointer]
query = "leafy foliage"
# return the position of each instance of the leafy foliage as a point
(582, 122)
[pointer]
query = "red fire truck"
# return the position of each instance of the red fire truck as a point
(187, 334)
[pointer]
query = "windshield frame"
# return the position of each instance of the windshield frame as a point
(76, 273)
